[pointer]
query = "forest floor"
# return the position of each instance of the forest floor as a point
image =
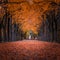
(29, 50)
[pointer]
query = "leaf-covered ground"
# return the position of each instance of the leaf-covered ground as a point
(29, 50)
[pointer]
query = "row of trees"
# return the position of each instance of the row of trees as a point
(49, 30)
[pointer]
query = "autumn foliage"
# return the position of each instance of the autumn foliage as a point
(28, 13)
